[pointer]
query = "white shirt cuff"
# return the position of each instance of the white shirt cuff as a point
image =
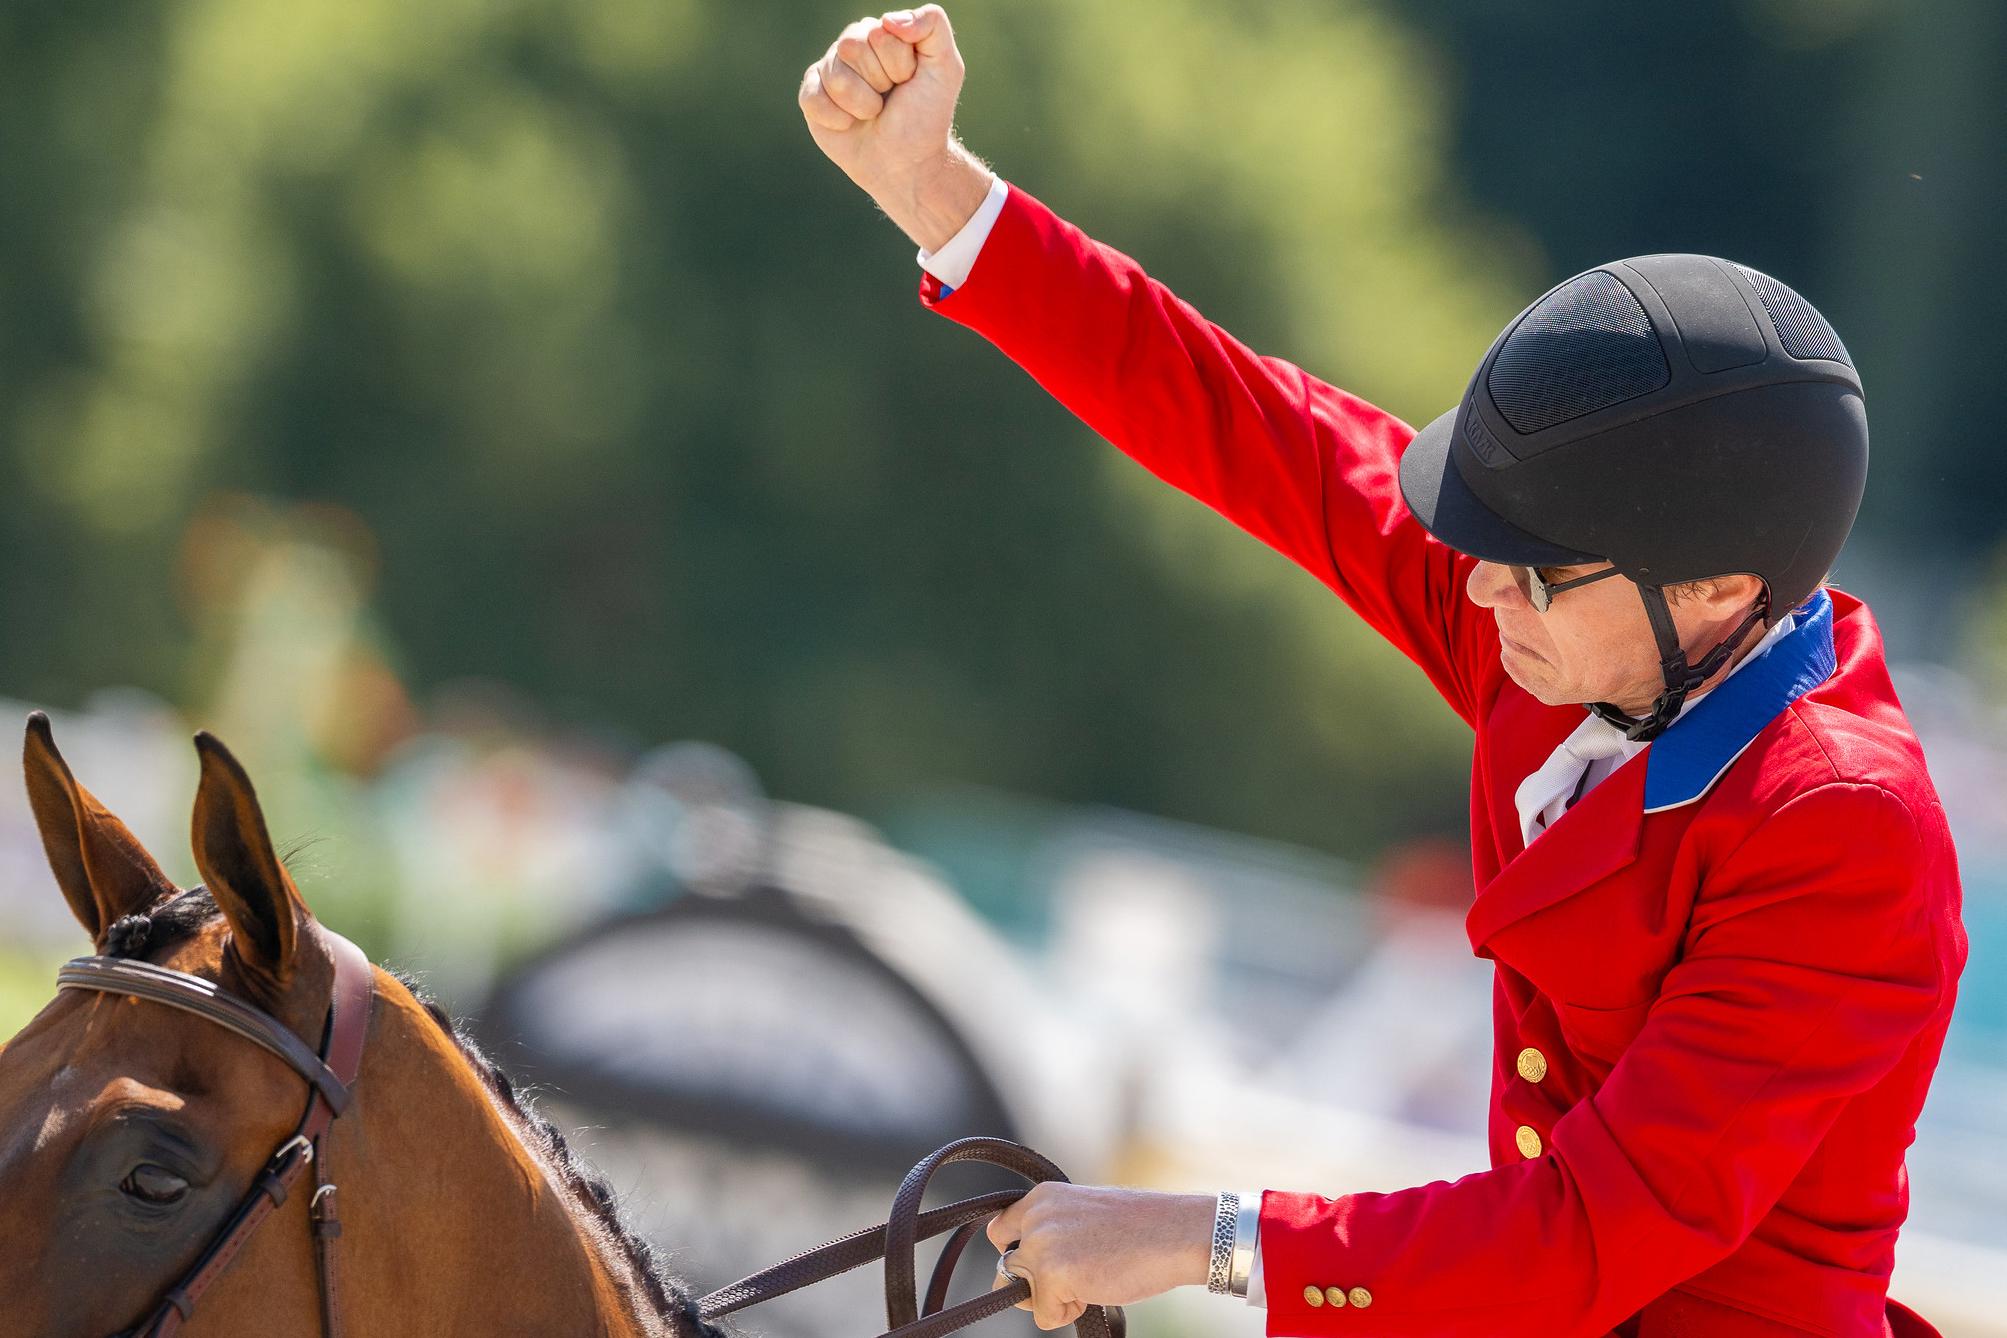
(1257, 1287)
(957, 256)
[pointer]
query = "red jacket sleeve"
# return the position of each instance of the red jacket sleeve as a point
(1305, 467)
(1812, 965)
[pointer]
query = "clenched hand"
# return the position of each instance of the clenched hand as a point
(881, 105)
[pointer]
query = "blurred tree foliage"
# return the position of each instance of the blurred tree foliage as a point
(631, 388)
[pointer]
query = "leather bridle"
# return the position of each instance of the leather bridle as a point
(330, 1076)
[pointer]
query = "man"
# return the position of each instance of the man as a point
(1721, 900)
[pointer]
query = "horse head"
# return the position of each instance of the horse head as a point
(132, 1132)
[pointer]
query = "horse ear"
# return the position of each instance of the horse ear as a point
(104, 871)
(234, 851)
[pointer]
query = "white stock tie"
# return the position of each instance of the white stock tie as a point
(1546, 794)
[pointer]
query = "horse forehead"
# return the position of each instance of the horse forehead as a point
(52, 1088)
(43, 1065)
(94, 1051)
(212, 1072)
(30, 1123)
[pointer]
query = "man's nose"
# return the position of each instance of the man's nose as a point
(1491, 586)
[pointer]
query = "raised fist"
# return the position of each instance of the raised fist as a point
(881, 101)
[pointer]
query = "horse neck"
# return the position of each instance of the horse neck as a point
(453, 1221)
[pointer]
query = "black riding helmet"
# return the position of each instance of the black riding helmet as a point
(1678, 416)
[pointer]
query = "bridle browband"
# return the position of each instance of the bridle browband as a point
(330, 1076)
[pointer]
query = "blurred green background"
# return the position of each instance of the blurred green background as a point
(553, 309)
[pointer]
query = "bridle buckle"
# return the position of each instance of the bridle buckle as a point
(299, 1145)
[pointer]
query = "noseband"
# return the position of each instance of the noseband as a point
(330, 1076)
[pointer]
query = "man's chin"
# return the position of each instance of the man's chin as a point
(1542, 690)
(1529, 683)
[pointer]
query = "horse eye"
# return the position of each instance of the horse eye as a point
(153, 1184)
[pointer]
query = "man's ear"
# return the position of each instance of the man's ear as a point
(1736, 595)
(104, 871)
(242, 871)
(1718, 598)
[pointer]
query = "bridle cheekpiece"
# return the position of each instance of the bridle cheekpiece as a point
(330, 1075)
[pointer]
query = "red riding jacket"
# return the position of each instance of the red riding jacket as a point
(1723, 978)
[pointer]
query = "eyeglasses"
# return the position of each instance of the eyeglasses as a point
(1540, 592)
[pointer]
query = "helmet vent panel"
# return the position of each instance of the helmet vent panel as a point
(1802, 331)
(1585, 346)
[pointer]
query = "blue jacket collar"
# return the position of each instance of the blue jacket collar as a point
(1684, 763)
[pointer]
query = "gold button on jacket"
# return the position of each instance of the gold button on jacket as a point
(1313, 1296)
(1528, 1140)
(1532, 1064)
(1335, 1295)
(1361, 1298)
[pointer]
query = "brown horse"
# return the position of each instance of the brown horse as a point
(130, 1131)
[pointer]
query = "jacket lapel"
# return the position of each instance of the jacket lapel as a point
(1591, 841)
(1519, 736)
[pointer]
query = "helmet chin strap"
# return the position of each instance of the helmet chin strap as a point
(1680, 677)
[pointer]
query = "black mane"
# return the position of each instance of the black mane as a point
(586, 1184)
(177, 919)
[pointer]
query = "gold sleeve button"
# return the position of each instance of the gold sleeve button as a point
(1360, 1297)
(1532, 1064)
(1313, 1296)
(1335, 1295)
(1528, 1140)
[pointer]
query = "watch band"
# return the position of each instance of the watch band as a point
(1246, 1237)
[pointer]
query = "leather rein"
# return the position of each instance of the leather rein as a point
(330, 1076)
(331, 1073)
(894, 1241)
